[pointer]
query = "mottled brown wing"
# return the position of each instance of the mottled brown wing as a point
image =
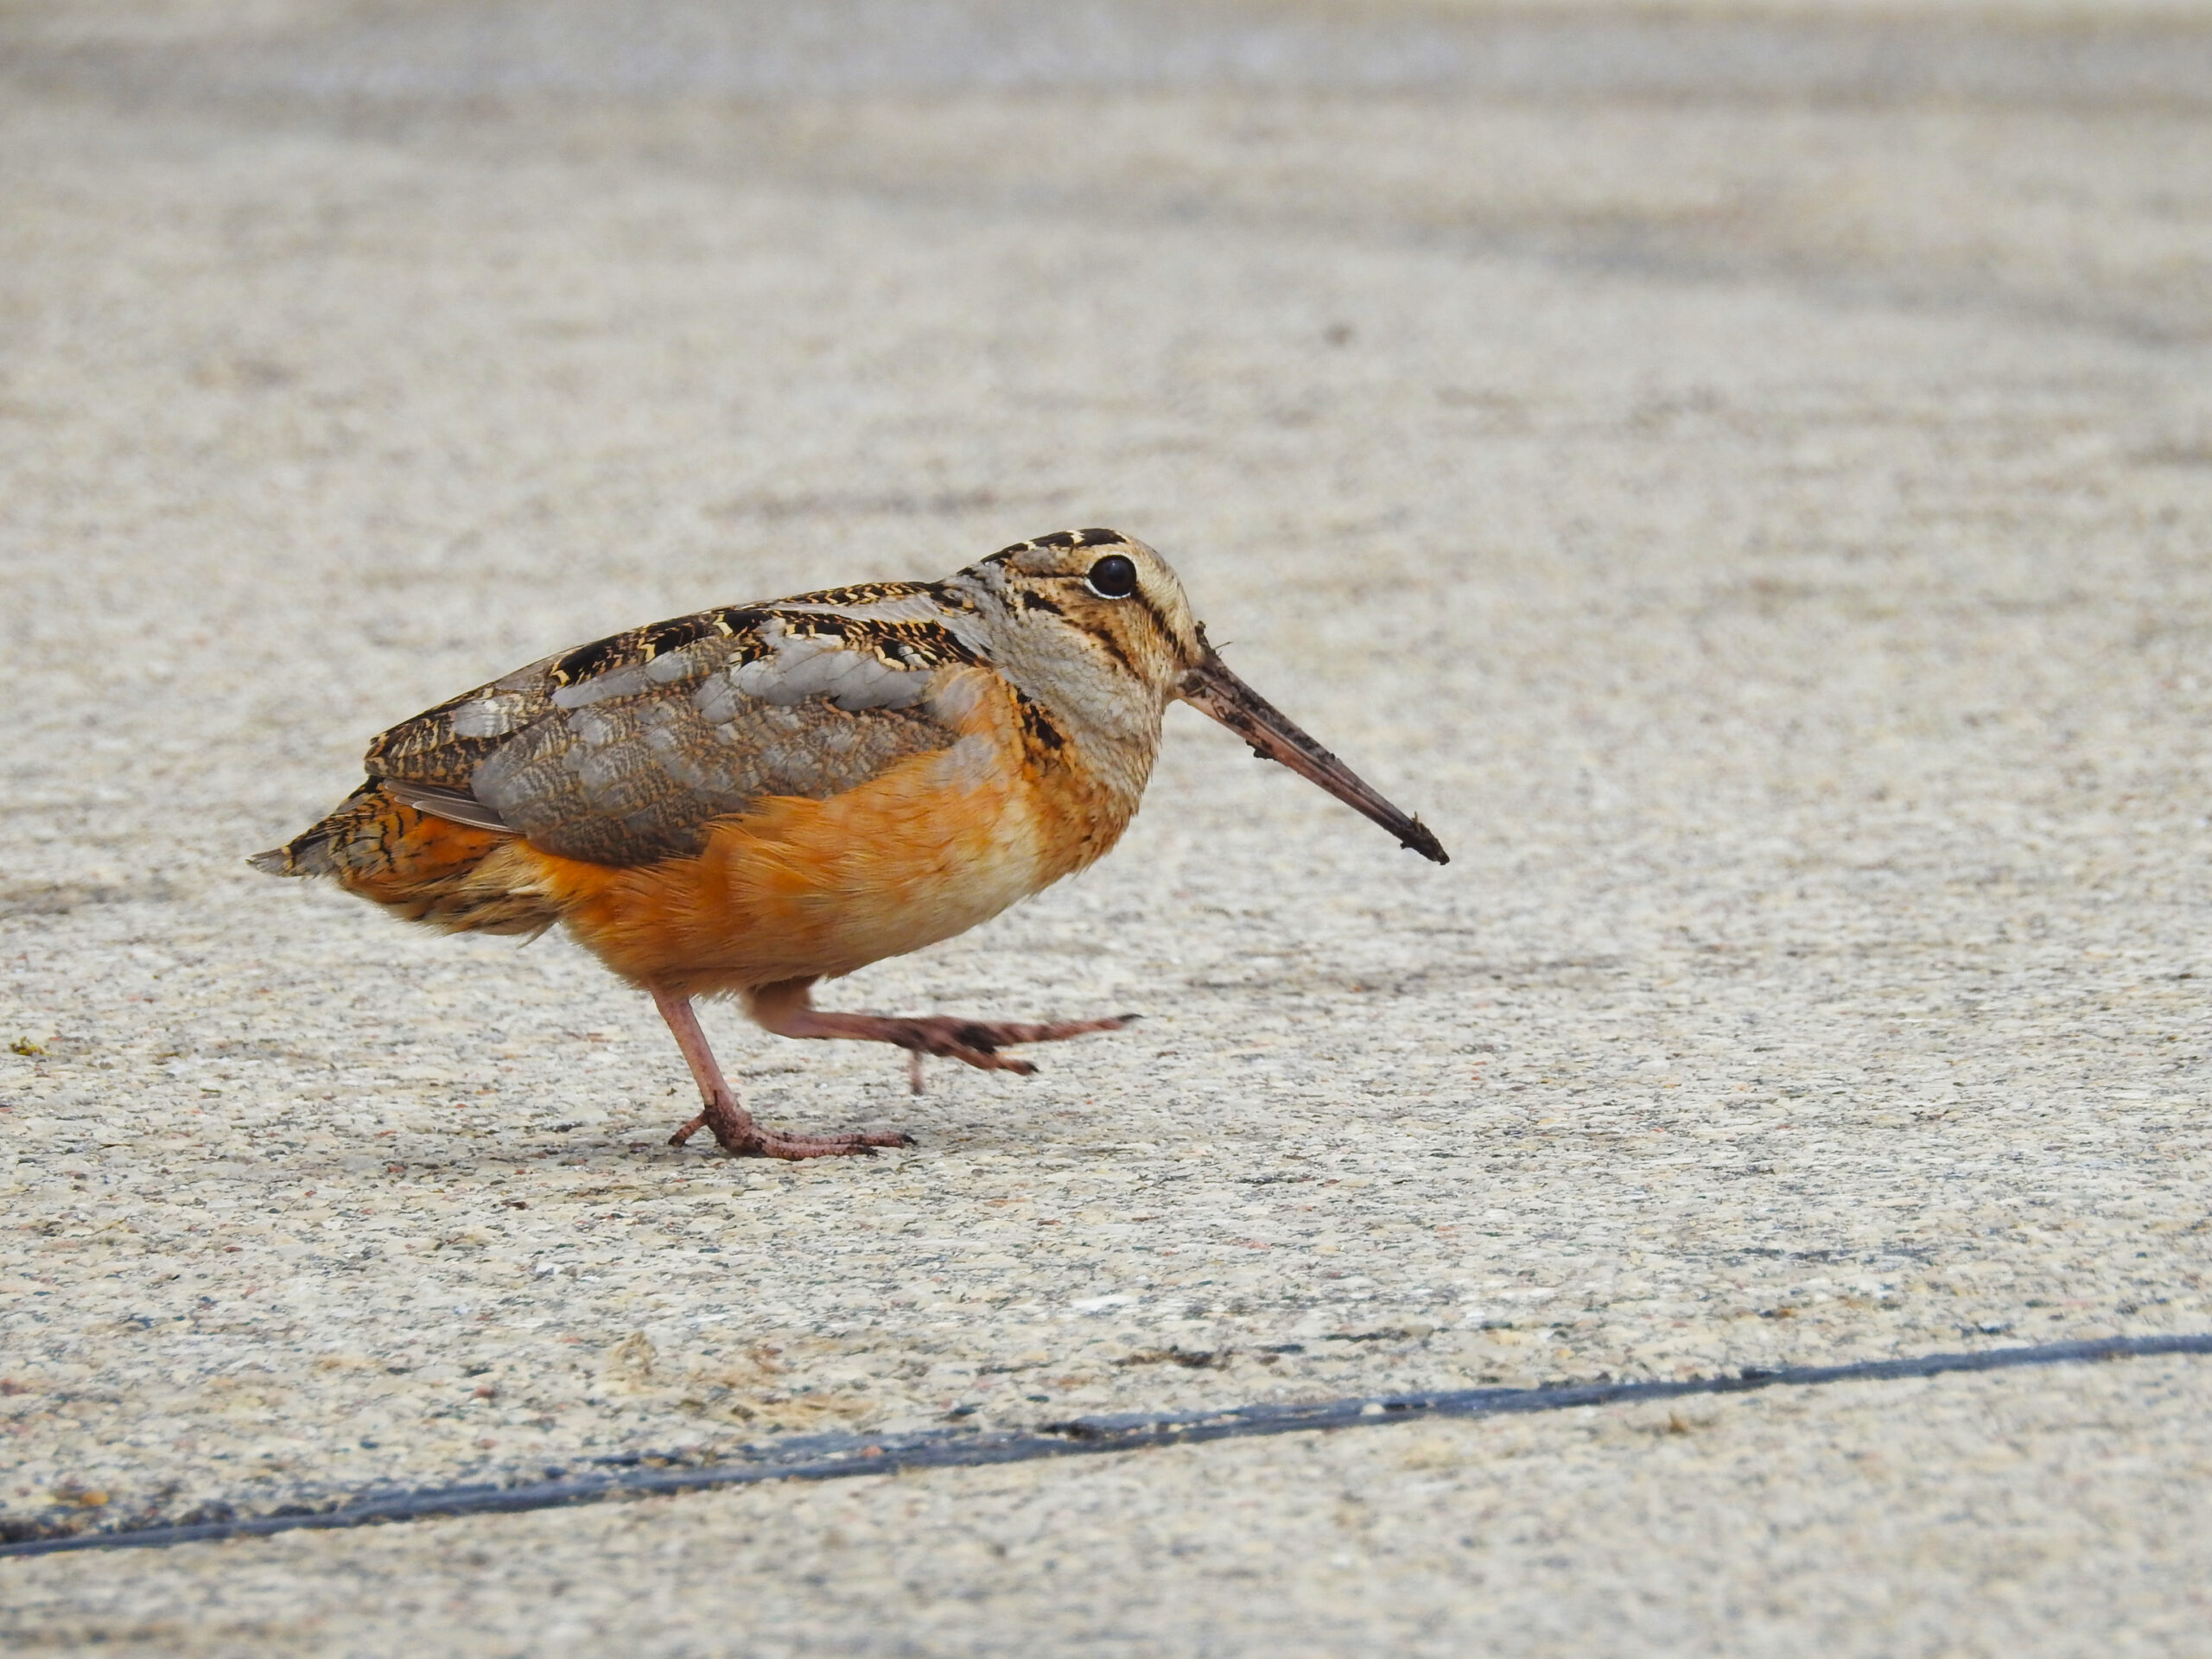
(625, 751)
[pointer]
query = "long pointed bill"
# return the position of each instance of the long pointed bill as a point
(1213, 690)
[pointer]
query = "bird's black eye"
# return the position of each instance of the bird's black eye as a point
(1112, 577)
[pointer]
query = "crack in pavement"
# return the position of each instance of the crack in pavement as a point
(833, 1457)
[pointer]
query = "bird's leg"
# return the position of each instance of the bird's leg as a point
(735, 1131)
(787, 1008)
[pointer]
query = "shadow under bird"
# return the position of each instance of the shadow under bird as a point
(748, 800)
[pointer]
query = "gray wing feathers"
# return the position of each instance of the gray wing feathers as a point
(633, 764)
(455, 805)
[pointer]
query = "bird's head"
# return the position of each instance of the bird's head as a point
(1103, 617)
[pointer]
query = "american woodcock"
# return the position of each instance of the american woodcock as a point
(748, 800)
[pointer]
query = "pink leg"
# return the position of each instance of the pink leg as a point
(735, 1131)
(787, 1009)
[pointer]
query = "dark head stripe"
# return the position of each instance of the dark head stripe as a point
(1158, 619)
(1092, 537)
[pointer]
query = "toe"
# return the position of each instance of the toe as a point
(792, 1150)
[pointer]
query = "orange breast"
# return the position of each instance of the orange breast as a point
(799, 889)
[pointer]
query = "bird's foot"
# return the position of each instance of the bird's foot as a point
(787, 1008)
(736, 1133)
(972, 1042)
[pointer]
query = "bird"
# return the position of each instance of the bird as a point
(751, 799)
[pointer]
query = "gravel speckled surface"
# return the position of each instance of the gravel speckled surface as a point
(1766, 539)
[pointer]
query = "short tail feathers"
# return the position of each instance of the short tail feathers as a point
(309, 852)
(277, 861)
(424, 867)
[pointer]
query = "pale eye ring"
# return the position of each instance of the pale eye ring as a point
(1114, 577)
